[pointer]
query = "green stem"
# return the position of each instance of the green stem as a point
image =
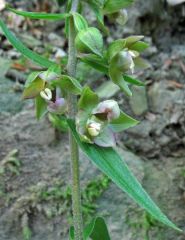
(74, 151)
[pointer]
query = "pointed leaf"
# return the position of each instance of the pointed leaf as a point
(122, 123)
(139, 46)
(80, 22)
(130, 41)
(88, 100)
(90, 40)
(40, 107)
(96, 230)
(96, 62)
(133, 81)
(117, 77)
(23, 49)
(115, 47)
(112, 6)
(33, 89)
(111, 164)
(68, 84)
(40, 15)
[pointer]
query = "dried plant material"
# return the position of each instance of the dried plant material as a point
(2, 4)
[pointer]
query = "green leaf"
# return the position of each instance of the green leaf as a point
(71, 233)
(40, 15)
(88, 100)
(139, 46)
(32, 76)
(89, 40)
(122, 123)
(96, 62)
(133, 81)
(23, 49)
(111, 164)
(132, 40)
(112, 6)
(80, 22)
(68, 84)
(33, 89)
(117, 77)
(115, 47)
(97, 230)
(40, 107)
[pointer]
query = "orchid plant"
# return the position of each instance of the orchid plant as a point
(92, 122)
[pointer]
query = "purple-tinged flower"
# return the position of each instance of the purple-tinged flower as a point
(57, 107)
(108, 109)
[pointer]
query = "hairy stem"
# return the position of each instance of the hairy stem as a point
(74, 151)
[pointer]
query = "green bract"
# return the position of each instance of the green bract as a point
(90, 40)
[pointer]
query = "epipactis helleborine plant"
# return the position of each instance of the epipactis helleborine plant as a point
(92, 122)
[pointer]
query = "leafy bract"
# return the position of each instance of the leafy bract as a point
(117, 77)
(40, 107)
(80, 22)
(89, 40)
(139, 46)
(97, 230)
(133, 81)
(111, 164)
(40, 15)
(112, 6)
(88, 100)
(96, 62)
(34, 88)
(122, 123)
(68, 84)
(23, 49)
(115, 47)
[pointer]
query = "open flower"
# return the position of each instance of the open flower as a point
(94, 126)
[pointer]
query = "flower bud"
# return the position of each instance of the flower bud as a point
(48, 76)
(122, 17)
(124, 61)
(57, 107)
(109, 108)
(46, 94)
(94, 129)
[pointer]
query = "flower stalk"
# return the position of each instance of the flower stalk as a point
(74, 151)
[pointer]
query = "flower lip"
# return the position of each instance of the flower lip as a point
(57, 107)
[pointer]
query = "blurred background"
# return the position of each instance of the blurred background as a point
(35, 195)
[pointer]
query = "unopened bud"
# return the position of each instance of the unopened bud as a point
(46, 94)
(48, 76)
(57, 107)
(110, 108)
(124, 61)
(94, 129)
